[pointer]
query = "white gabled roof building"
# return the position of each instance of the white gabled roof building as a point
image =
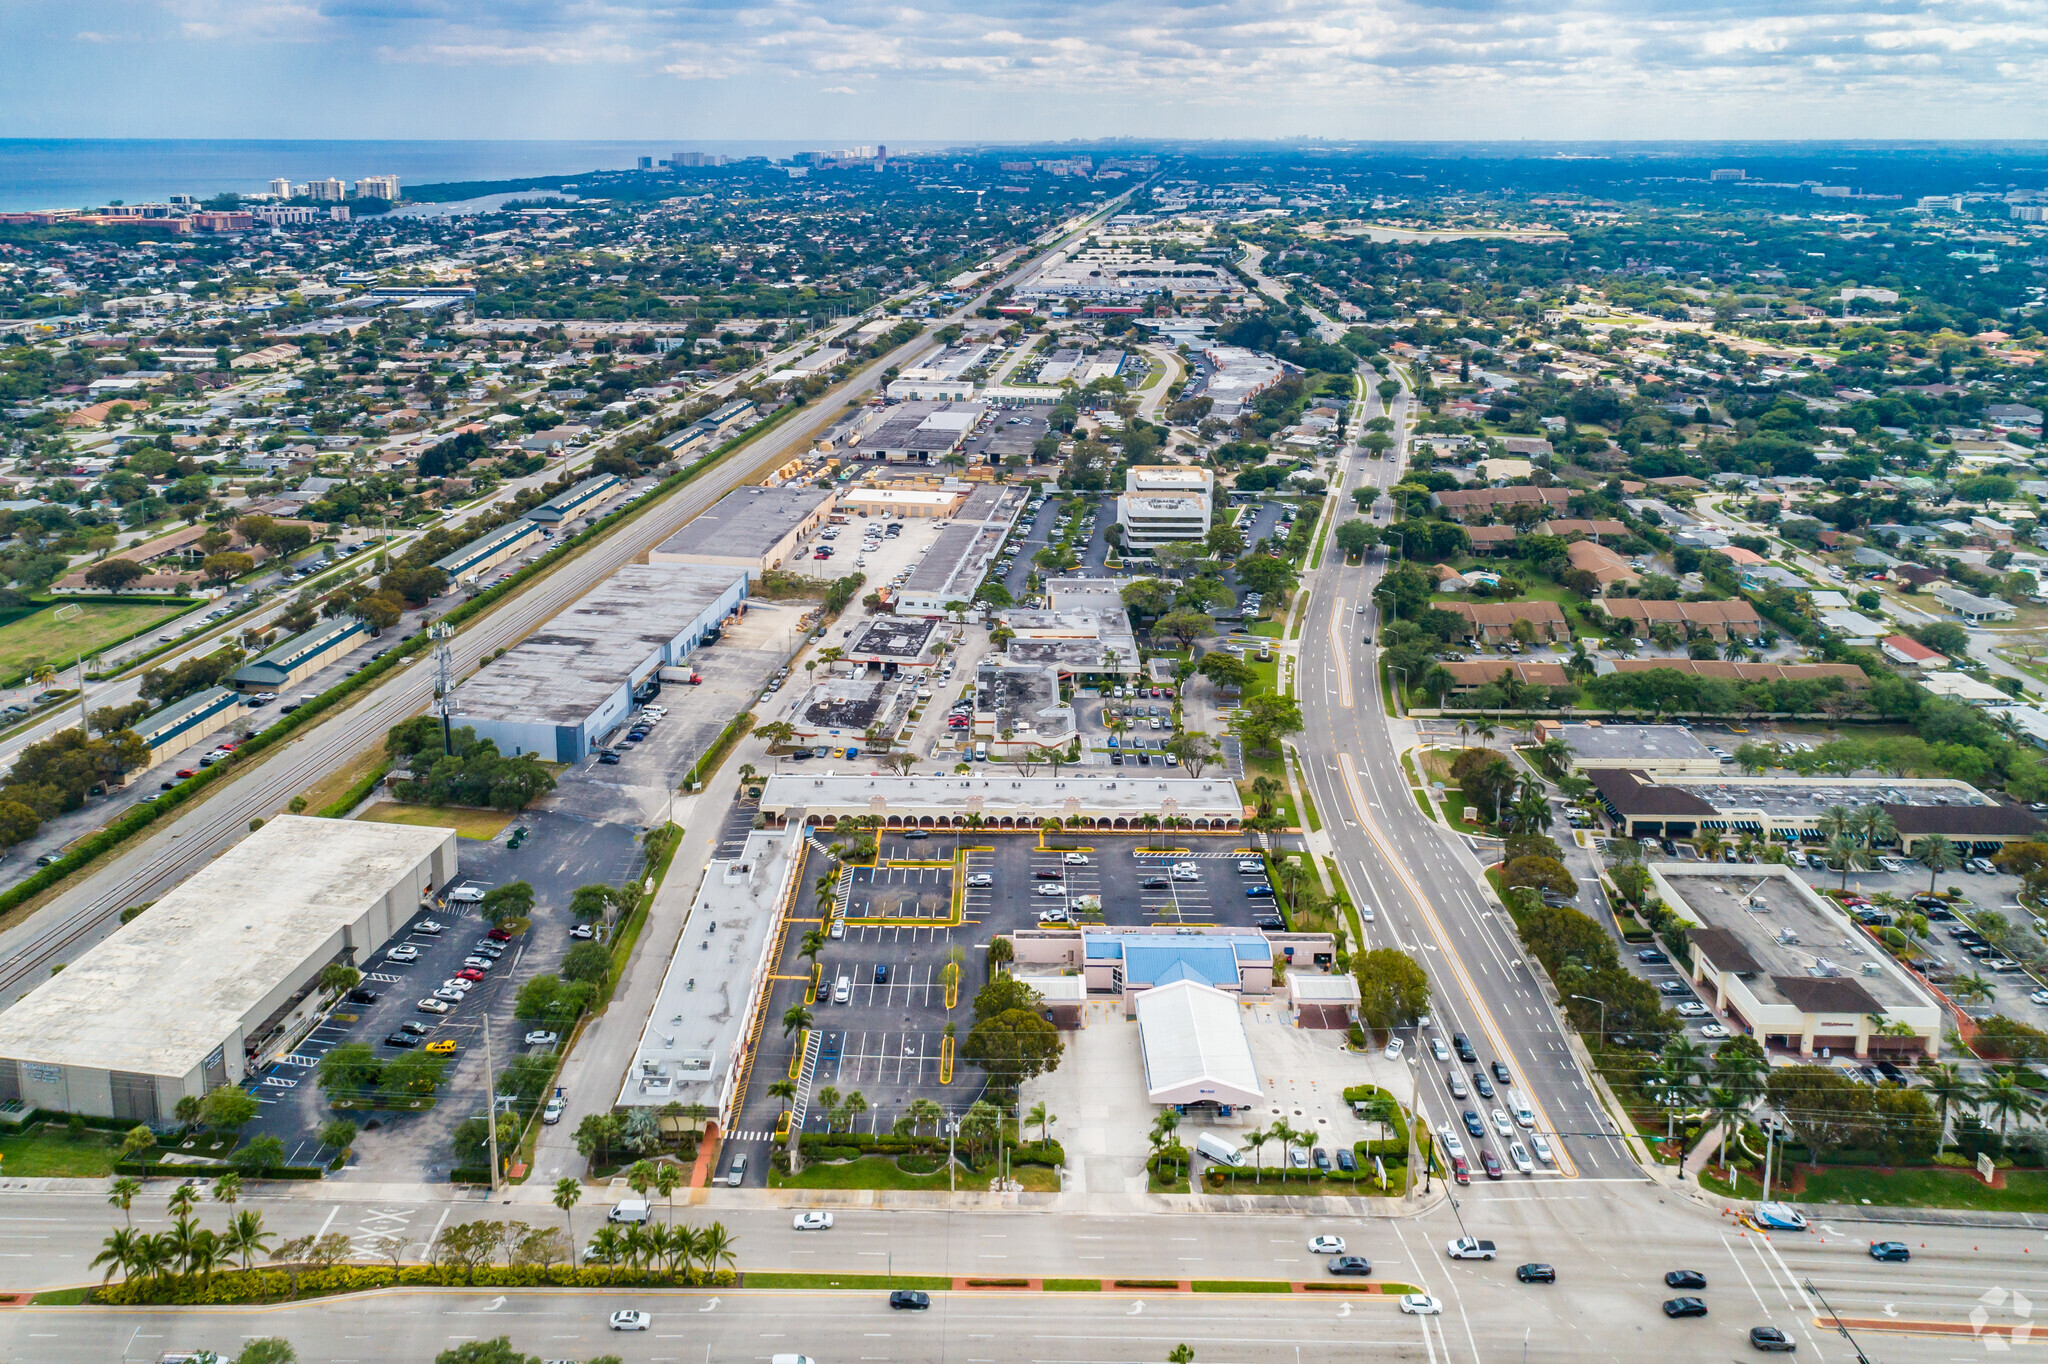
(1194, 1048)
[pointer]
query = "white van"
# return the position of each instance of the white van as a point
(1218, 1150)
(981, 753)
(1518, 1104)
(633, 1210)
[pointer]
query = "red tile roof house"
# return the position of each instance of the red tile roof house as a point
(1910, 653)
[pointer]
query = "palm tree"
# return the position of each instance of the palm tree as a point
(1483, 730)
(1834, 821)
(1555, 753)
(1680, 1063)
(1938, 855)
(1725, 1112)
(1266, 794)
(1042, 1117)
(119, 1253)
(245, 1235)
(2007, 1099)
(608, 1245)
(856, 1104)
(1948, 1087)
(1971, 988)
(787, 1092)
(638, 1243)
(1874, 826)
(122, 1194)
(714, 1244)
(794, 1017)
(828, 1100)
(1257, 1139)
(183, 1198)
(640, 1178)
(227, 1188)
(153, 1256)
(668, 1177)
(688, 1245)
(568, 1193)
(1286, 1136)
(1844, 846)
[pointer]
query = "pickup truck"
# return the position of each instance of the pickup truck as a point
(1471, 1248)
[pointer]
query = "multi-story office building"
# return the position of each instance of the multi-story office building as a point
(1162, 503)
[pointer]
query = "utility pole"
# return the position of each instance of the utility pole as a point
(491, 1100)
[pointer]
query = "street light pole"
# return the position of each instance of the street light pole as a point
(1603, 1014)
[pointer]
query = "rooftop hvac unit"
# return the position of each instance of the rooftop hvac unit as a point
(1871, 968)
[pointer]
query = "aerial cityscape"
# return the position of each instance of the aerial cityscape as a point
(1039, 742)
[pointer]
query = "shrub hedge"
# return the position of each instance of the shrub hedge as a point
(151, 1169)
(275, 1285)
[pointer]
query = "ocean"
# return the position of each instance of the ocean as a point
(84, 172)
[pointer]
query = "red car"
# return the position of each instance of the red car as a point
(1492, 1163)
(499, 935)
(188, 772)
(1460, 1170)
(469, 973)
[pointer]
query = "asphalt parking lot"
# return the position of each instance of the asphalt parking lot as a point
(883, 1035)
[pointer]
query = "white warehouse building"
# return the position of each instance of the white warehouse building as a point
(218, 978)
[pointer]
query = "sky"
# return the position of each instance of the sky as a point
(863, 71)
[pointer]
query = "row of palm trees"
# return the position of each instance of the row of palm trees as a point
(652, 1245)
(186, 1248)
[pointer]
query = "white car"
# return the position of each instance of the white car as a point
(1714, 1030)
(552, 1114)
(1501, 1123)
(402, 953)
(1691, 1009)
(1421, 1305)
(981, 879)
(428, 927)
(1540, 1144)
(838, 930)
(1394, 1049)
(435, 1006)
(1186, 871)
(1439, 1049)
(541, 1039)
(1326, 1245)
(457, 983)
(479, 963)
(2038, 997)
(583, 932)
(813, 1221)
(452, 996)
(1075, 859)
(1518, 1156)
(1052, 891)
(1450, 1141)
(640, 1321)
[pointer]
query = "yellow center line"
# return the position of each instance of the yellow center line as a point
(1456, 962)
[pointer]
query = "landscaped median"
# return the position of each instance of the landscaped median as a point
(231, 1287)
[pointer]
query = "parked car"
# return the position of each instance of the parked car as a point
(401, 1039)
(542, 1038)
(435, 1006)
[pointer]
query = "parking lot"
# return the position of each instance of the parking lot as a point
(880, 1008)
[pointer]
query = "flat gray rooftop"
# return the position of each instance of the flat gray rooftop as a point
(849, 702)
(1622, 745)
(1792, 799)
(174, 983)
(895, 639)
(746, 522)
(698, 1023)
(1790, 935)
(567, 668)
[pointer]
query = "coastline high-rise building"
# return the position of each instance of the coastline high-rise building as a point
(378, 187)
(280, 188)
(329, 189)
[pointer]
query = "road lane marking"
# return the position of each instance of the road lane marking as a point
(1337, 653)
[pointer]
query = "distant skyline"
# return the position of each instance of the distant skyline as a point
(860, 71)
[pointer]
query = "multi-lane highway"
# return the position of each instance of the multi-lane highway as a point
(1425, 885)
(1610, 1246)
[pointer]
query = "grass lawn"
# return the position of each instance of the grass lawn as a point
(51, 1149)
(882, 1172)
(337, 783)
(482, 825)
(57, 642)
(1073, 1285)
(2024, 1191)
